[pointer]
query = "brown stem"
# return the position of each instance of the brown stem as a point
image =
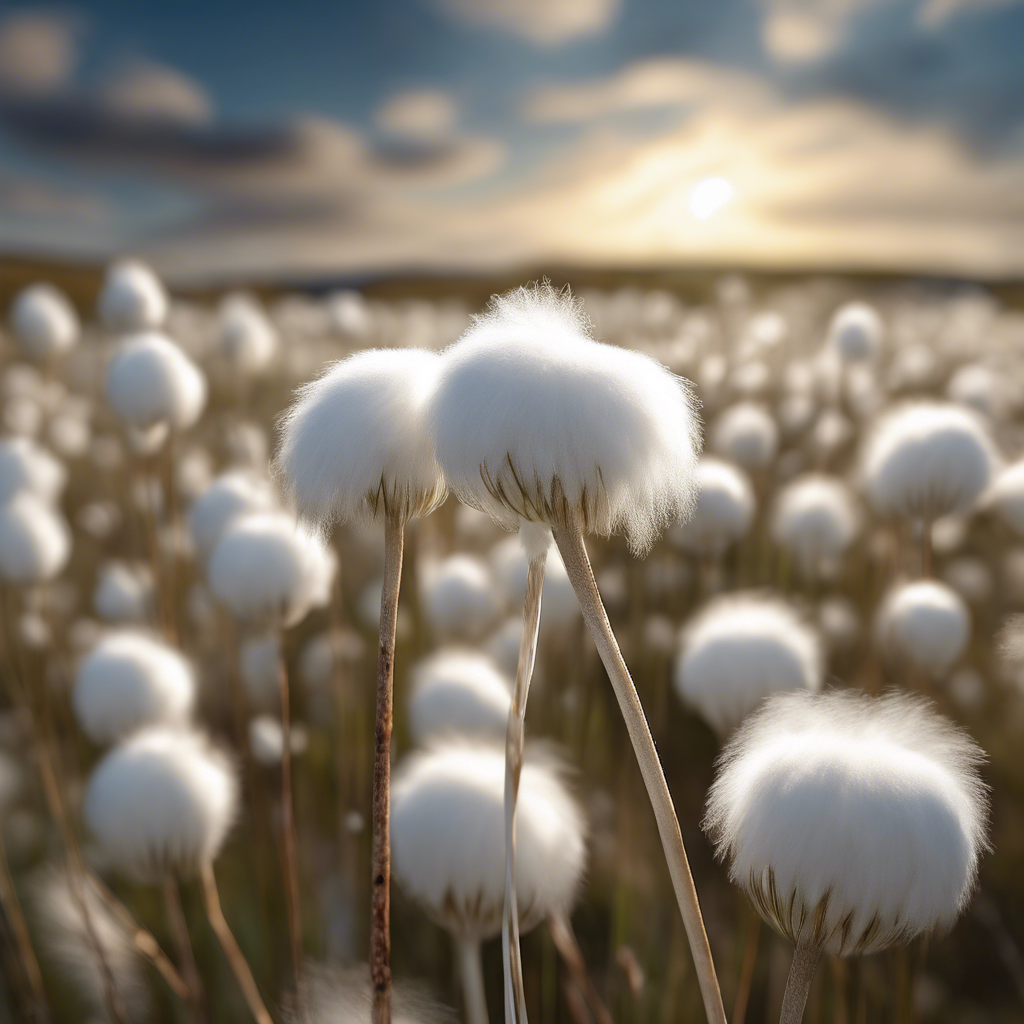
(798, 985)
(22, 938)
(289, 857)
(577, 566)
(568, 948)
(231, 949)
(515, 995)
(183, 946)
(926, 549)
(380, 920)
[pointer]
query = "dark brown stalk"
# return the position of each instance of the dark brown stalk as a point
(183, 946)
(22, 938)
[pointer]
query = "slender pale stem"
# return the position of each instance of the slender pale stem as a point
(798, 986)
(183, 946)
(289, 854)
(380, 920)
(22, 938)
(739, 1006)
(568, 948)
(231, 949)
(577, 566)
(926, 548)
(515, 996)
(471, 972)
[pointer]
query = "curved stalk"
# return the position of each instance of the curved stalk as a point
(236, 958)
(380, 921)
(515, 996)
(22, 939)
(577, 566)
(183, 945)
(471, 972)
(798, 985)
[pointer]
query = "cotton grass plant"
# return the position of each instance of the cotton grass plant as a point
(535, 423)
(852, 823)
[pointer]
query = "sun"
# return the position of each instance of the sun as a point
(709, 196)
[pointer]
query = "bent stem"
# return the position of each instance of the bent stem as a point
(380, 920)
(22, 939)
(577, 566)
(183, 947)
(515, 996)
(231, 949)
(289, 856)
(471, 972)
(798, 985)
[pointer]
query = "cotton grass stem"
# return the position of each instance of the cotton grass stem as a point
(749, 962)
(380, 922)
(798, 985)
(231, 949)
(22, 939)
(577, 565)
(515, 996)
(471, 973)
(183, 947)
(568, 948)
(289, 852)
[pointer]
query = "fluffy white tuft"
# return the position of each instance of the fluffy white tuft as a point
(447, 838)
(535, 539)
(855, 332)
(739, 649)
(925, 624)
(43, 321)
(266, 739)
(355, 444)
(35, 542)
(535, 420)
(1006, 496)
(124, 593)
(164, 799)
(923, 460)
(851, 822)
(231, 495)
(724, 510)
(128, 681)
(248, 340)
(27, 466)
(747, 435)
(132, 298)
(460, 600)
(151, 382)
(267, 567)
(816, 519)
(458, 692)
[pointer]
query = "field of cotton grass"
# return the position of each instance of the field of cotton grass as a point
(407, 659)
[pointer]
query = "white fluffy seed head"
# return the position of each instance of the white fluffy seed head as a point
(151, 382)
(816, 519)
(248, 340)
(747, 435)
(724, 510)
(447, 838)
(852, 823)
(458, 692)
(132, 298)
(856, 332)
(266, 567)
(44, 322)
(232, 495)
(355, 445)
(534, 420)
(128, 681)
(27, 466)
(739, 649)
(924, 624)
(923, 460)
(35, 542)
(164, 799)
(123, 594)
(459, 597)
(1006, 497)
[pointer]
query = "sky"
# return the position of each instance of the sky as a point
(229, 142)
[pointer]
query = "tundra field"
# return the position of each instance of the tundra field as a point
(811, 559)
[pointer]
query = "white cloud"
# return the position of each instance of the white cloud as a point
(144, 91)
(38, 51)
(425, 115)
(545, 23)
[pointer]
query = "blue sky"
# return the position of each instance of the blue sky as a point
(224, 140)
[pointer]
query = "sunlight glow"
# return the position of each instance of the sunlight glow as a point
(709, 196)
